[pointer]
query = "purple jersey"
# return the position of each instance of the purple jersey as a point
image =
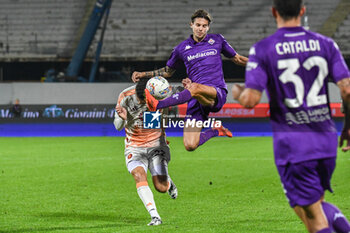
(203, 60)
(294, 66)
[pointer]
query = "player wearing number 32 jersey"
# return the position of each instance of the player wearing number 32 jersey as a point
(294, 65)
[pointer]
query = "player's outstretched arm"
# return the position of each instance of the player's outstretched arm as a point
(344, 86)
(247, 97)
(166, 72)
(240, 60)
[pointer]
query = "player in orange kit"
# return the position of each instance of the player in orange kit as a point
(145, 149)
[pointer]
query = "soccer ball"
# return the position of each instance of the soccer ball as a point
(158, 87)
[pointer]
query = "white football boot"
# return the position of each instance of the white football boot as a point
(172, 190)
(155, 221)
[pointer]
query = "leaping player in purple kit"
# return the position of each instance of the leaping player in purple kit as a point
(294, 65)
(206, 89)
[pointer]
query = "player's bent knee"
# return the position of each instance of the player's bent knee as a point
(161, 187)
(139, 174)
(161, 183)
(191, 147)
(138, 177)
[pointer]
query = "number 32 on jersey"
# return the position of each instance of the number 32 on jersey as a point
(312, 97)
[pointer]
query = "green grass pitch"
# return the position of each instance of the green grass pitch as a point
(82, 185)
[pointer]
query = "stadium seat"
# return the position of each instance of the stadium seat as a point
(150, 29)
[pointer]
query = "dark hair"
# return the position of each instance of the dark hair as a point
(288, 9)
(200, 13)
(140, 88)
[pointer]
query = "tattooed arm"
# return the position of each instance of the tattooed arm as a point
(166, 72)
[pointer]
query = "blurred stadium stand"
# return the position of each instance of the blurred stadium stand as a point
(140, 31)
(39, 29)
(163, 24)
(342, 33)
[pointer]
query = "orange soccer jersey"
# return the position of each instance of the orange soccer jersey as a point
(136, 135)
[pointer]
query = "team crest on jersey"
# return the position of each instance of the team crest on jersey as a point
(129, 156)
(211, 41)
(188, 47)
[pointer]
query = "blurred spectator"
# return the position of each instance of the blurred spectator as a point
(16, 109)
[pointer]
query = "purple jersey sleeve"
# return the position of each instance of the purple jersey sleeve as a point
(175, 59)
(338, 68)
(256, 76)
(227, 49)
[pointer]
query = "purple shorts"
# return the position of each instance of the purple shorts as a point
(304, 183)
(199, 112)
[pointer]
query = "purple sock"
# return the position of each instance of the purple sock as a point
(176, 99)
(206, 135)
(336, 219)
(325, 230)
